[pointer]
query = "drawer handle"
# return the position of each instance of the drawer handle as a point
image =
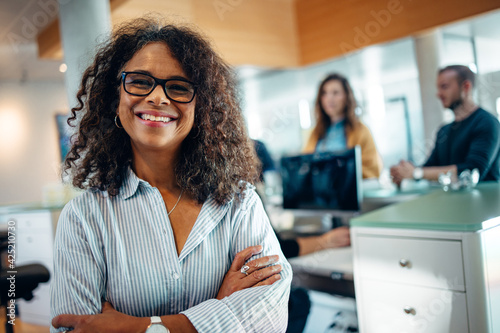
(404, 263)
(409, 310)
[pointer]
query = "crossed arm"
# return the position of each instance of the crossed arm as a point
(261, 272)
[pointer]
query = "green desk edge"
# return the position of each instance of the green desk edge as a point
(464, 210)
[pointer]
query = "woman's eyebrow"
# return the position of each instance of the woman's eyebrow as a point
(173, 77)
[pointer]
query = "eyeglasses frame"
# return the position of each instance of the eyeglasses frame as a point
(161, 82)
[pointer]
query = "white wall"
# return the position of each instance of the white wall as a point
(29, 148)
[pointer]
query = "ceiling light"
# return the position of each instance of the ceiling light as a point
(63, 68)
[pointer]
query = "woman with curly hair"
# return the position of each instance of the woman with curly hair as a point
(338, 127)
(164, 232)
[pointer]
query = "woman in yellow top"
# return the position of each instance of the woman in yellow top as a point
(338, 127)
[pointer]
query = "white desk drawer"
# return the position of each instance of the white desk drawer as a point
(33, 220)
(397, 308)
(421, 262)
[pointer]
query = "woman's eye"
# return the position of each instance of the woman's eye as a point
(177, 88)
(138, 82)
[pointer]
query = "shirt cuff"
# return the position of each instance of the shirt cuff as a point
(213, 316)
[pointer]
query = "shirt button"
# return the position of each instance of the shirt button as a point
(175, 276)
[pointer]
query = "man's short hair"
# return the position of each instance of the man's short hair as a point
(463, 73)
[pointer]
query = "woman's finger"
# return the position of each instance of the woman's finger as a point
(259, 263)
(242, 256)
(269, 281)
(260, 275)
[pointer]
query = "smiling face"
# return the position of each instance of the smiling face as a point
(333, 100)
(154, 122)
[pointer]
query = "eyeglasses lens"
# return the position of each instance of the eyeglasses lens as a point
(142, 85)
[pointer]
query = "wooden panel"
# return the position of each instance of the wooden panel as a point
(327, 29)
(257, 32)
(49, 42)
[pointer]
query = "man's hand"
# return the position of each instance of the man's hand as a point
(108, 321)
(401, 171)
(259, 273)
(338, 237)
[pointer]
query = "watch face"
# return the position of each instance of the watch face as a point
(418, 173)
(157, 328)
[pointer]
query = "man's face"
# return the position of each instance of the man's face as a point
(449, 91)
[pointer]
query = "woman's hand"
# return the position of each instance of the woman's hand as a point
(259, 272)
(109, 321)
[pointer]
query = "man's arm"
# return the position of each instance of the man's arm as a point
(484, 145)
(405, 169)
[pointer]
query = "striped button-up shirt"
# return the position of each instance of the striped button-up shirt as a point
(122, 249)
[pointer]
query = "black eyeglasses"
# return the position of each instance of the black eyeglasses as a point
(141, 84)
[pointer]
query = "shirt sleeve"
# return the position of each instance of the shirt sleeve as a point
(433, 159)
(485, 143)
(78, 281)
(370, 159)
(257, 309)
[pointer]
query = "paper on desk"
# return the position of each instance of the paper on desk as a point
(335, 263)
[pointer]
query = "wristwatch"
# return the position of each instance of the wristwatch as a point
(418, 173)
(156, 326)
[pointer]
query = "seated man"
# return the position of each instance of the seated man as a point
(471, 141)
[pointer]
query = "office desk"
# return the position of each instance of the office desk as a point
(329, 271)
(430, 264)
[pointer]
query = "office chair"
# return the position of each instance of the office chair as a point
(27, 278)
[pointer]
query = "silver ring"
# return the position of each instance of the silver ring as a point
(244, 269)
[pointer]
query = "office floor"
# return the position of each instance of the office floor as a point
(21, 327)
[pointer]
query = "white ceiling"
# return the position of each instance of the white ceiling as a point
(20, 20)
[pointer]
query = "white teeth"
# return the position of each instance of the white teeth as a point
(150, 117)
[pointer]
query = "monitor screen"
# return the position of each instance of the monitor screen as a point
(323, 181)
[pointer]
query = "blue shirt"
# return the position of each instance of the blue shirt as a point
(122, 249)
(334, 139)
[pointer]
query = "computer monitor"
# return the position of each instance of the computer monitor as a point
(323, 181)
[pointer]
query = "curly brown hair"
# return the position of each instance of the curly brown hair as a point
(323, 121)
(215, 156)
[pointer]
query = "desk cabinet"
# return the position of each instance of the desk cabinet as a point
(429, 272)
(34, 231)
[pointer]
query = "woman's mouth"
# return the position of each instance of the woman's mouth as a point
(150, 117)
(157, 120)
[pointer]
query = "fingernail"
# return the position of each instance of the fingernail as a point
(258, 248)
(277, 277)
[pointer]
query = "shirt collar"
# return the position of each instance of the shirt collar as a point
(130, 184)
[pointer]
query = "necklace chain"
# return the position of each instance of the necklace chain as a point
(178, 199)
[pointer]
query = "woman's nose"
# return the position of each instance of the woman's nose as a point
(158, 96)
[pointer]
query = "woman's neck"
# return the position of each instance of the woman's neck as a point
(337, 119)
(158, 169)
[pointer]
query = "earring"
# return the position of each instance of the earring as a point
(116, 122)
